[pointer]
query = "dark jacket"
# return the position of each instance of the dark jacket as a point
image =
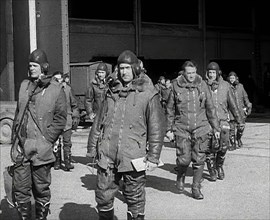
(224, 100)
(94, 96)
(44, 120)
(162, 91)
(72, 106)
(130, 125)
(242, 100)
(190, 108)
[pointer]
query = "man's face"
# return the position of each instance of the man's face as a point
(212, 74)
(232, 79)
(190, 73)
(168, 84)
(59, 78)
(67, 79)
(126, 72)
(101, 74)
(34, 70)
(163, 82)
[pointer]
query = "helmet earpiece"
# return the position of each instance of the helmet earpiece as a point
(137, 69)
(45, 67)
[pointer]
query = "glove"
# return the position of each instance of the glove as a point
(150, 166)
(75, 123)
(170, 135)
(249, 111)
(92, 116)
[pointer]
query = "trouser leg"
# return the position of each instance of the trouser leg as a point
(58, 159)
(134, 193)
(196, 185)
(220, 161)
(41, 190)
(232, 145)
(42, 210)
(200, 147)
(22, 187)
(107, 188)
(220, 158)
(211, 165)
(183, 159)
(22, 183)
(24, 210)
(239, 134)
(67, 150)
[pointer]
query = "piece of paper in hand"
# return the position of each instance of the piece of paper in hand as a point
(140, 164)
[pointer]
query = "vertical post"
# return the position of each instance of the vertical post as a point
(137, 22)
(32, 25)
(65, 35)
(10, 53)
(257, 61)
(202, 26)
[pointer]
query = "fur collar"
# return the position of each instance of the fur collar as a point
(139, 84)
(213, 84)
(182, 82)
(98, 83)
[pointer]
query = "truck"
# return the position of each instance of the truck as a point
(7, 112)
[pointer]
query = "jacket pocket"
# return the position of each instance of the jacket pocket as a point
(204, 143)
(30, 148)
(45, 149)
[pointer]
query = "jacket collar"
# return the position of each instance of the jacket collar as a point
(213, 84)
(182, 82)
(140, 84)
(43, 82)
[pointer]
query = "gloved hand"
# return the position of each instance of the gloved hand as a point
(92, 116)
(170, 135)
(75, 123)
(249, 111)
(150, 166)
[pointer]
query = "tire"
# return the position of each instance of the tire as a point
(5, 130)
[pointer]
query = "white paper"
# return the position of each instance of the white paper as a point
(140, 164)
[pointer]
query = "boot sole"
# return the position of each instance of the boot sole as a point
(198, 198)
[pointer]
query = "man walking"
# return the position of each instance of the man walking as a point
(40, 118)
(191, 117)
(128, 128)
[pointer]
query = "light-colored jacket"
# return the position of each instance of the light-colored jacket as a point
(190, 108)
(224, 100)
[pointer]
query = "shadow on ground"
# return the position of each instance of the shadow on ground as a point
(81, 160)
(71, 211)
(171, 168)
(89, 182)
(162, 184)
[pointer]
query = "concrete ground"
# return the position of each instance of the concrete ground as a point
(243, 194)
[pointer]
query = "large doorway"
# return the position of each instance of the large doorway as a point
(163, 67)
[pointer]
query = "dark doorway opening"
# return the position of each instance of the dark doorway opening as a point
(241, 67)
(163, 67)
